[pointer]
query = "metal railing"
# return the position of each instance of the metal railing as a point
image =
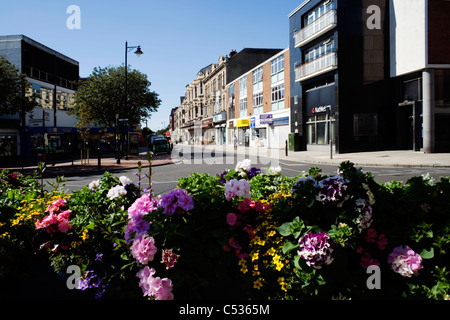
(316, 28)
(315, 67)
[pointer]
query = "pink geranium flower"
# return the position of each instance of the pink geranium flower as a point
(405, 261)
(231, 219)
(160, 289)
(143, 249)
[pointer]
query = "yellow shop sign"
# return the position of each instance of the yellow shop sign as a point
(243, 123)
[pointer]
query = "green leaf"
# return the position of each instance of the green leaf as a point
(90, 226)
(285, 229)
(427, 254)
(288, 246)
(296, 262)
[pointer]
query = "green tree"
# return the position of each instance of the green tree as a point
(13, 87)
(102, 95)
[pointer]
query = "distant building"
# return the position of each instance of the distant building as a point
(202, 113)
(53, 78)
(258, 104)
(370, 75)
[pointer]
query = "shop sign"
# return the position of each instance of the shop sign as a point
(243, 123)
(207, 123)
(220, 117)
(266, 119)
(320, 109)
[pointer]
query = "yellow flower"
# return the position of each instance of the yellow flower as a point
(279, 266)
(258, 284)
(271, 252)
(276, 259)
(243, 264)
(271, 233)
(85, 235)
(255, 256)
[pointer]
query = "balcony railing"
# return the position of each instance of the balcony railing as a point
(316, 67)
(318, 27)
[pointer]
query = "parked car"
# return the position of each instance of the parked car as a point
(161, 146)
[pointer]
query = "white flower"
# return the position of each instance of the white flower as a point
(94, 184)
(125, 180)
(274, 170)
(239, 188)
(116, 191)
(244, 165)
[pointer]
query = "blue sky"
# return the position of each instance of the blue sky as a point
(178, 37)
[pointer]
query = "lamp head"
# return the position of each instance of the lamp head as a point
(138, 51)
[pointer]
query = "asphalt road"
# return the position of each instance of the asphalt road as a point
(165, 177)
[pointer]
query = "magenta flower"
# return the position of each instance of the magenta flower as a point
(169, 258)
(316, 249)
(333, 190)
(367, 260)
(371, 235)
(382, 241)
(143, 249)
(405, 261)
(231, 219)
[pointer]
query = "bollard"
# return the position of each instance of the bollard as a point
(286, 147)
(99, 162)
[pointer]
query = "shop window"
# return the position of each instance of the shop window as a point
(318, 129)
(8, 145)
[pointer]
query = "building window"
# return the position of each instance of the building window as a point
(317, 128)
(319, 50)
(277, 65)
(278, 97)
(318, 11)
(258, 79)
(258, 103)
(243, 86)
(243, 107)
(243, 97)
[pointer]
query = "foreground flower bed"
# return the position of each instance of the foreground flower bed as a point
(245, 233)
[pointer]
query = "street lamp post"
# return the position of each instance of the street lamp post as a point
(138, 52)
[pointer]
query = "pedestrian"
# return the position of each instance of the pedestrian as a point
(235, 142)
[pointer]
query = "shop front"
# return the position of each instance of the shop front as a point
(220, 120)
(243, 131)
(320, 120)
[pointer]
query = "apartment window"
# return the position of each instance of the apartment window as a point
(278, 97)
(277, 65)
(258, 75)
(318, 11)
(243, 107)
(258, 103)
(258, 79)
(319, 50)
(277, 69)
(243, 96)
(243, 86)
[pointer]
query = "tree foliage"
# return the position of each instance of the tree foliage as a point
(12, 90)
(102, 95)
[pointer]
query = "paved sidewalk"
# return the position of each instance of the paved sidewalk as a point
(77, 168)
(402, 158)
